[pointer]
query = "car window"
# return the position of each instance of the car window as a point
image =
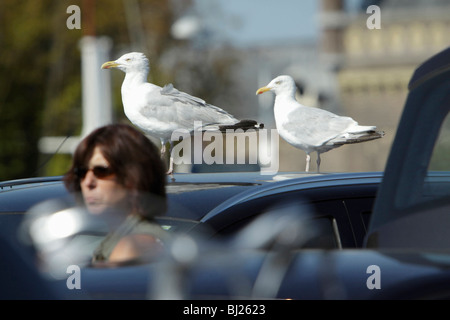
(437, 185)
(359, 211)
(440, 159)
(424, 174)
(175, 224)
(325, 237)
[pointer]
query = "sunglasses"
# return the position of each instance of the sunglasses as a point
(98, 171)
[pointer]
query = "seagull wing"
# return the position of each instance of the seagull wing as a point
(187, 109)
(315, 127)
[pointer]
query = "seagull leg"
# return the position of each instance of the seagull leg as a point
(170, 171)
(318, 162)
(308, 160)
(163, 149)
(163, 156)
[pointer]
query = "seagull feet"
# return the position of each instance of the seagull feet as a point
(318, 162)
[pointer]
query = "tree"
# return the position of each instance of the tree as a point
(23, 69)
(40, 69)
(40, 72)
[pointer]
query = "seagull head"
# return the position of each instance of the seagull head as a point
(129, 62)
(281, 85)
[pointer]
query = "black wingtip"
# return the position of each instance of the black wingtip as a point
(243, 124)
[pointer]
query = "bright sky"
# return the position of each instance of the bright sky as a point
(249, 22)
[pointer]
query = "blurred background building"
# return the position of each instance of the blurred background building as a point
(375, 66)
(347, 68)
(221, 51)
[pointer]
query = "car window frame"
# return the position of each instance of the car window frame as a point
(407, 166)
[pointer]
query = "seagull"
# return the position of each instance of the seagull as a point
(160, 111)
(312, 129)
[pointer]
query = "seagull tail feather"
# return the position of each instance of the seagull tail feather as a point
(242, 124)
(357, 137)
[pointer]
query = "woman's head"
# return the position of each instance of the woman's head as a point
(116, 165)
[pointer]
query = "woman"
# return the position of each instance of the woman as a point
(117, 172)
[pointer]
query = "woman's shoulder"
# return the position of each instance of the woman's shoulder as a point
(147, 227)
(145, 240)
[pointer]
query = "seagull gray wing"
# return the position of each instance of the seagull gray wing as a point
(188, 108)
(314, 126)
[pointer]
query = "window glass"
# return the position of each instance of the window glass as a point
(440, 159)
(437, 183)
(325, 237)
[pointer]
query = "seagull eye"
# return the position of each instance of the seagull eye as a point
(128, 59)
(278, 82)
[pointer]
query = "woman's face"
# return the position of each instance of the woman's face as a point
(101, 192)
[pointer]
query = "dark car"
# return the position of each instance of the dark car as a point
(215, 206)
(220, 204)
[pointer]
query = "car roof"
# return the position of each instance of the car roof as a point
(191, 195)
(297, 182)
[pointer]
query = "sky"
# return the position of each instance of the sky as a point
(253, 22)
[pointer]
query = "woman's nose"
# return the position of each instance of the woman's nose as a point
(89, 180)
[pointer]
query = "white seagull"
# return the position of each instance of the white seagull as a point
(312, 129)
(159, 111)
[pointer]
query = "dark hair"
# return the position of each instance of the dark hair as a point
(135, 160)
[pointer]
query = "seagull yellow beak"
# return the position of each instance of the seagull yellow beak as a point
(110, 64)
(262, 90)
